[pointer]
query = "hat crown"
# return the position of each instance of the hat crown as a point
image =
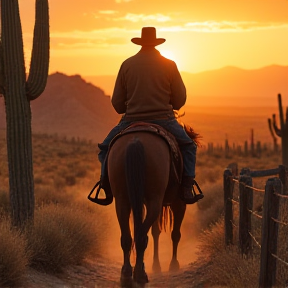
(148, 37)
(148, 33)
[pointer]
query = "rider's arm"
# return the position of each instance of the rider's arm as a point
(119, 94)
(178, 90)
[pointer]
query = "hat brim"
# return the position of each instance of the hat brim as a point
(154, 42)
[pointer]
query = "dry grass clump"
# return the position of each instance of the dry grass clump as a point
(211, 207)
(282, 251)
(61, 236)
(226, 266)
(45, 194)
(14, 258)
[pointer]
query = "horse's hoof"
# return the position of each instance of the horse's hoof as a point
(126, 271)
(140, 276)
(126, 277)
(126, 282)
(174, 266)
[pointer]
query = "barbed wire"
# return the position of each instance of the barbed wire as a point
(281, 260)
(281, 195)
(233, 224)
(279, 221)
(255, 214)
(234, 201)
(255, 240)
(254, 188)
(247, 186)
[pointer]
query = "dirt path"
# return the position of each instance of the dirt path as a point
(105, 274)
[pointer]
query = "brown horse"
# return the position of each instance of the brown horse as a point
(139, 169)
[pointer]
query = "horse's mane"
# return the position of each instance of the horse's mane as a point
(189, 130)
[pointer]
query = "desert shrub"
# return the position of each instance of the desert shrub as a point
(282, 251)
(45, 194)
(226, 266)
(210, 208)
(70, 180)
(38, 179)
(61, 236)
(81, 171)
(13, 255)
(59, 182)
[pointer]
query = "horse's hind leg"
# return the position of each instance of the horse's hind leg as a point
(156, 231)
(178, 207)
(153, 210)
(123, 215)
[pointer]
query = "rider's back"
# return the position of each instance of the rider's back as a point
(148, 84)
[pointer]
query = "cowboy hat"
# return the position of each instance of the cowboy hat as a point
(148, 37)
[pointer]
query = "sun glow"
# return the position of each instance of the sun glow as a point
(168, 54)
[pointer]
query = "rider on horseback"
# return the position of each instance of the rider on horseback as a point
(148, 88)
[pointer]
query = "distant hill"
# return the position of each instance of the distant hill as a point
(229, 86)
(71, 107)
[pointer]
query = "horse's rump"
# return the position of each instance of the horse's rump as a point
(176, 161)
(157, 164)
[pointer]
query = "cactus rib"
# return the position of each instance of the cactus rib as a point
(40, 52)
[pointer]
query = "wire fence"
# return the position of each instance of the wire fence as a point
(257, 219)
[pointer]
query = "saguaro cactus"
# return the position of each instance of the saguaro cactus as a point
(275, 145)
(282, 131)
(18, 92)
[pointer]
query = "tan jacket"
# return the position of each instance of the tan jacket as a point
(148, 84)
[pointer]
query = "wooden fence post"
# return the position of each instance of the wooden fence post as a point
(228, 215)
(246, 204)
(269, 236)
(283, 175)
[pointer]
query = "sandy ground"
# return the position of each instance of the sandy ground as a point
(105, 274)
(104, 271)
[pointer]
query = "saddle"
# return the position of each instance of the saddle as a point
(176, 167)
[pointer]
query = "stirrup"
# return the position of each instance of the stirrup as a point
(106, 201)
(196, 197)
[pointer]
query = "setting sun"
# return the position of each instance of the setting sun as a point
(168, 54)
(93, 37)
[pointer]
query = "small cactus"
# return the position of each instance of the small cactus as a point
(282, 131)
(275, 144)
(18, 92)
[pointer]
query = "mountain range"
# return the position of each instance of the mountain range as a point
(71, 107)
(228, 86)
(75, 106)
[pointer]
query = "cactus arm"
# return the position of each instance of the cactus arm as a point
(39, 66)
(11, 38)
(281, 112)
(271, 129)
(277, 130)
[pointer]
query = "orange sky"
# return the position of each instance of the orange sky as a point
(90, 37)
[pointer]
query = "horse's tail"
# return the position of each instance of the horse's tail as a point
(166, 219)
(135, 178)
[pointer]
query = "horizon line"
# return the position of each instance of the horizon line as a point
(202, 71)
